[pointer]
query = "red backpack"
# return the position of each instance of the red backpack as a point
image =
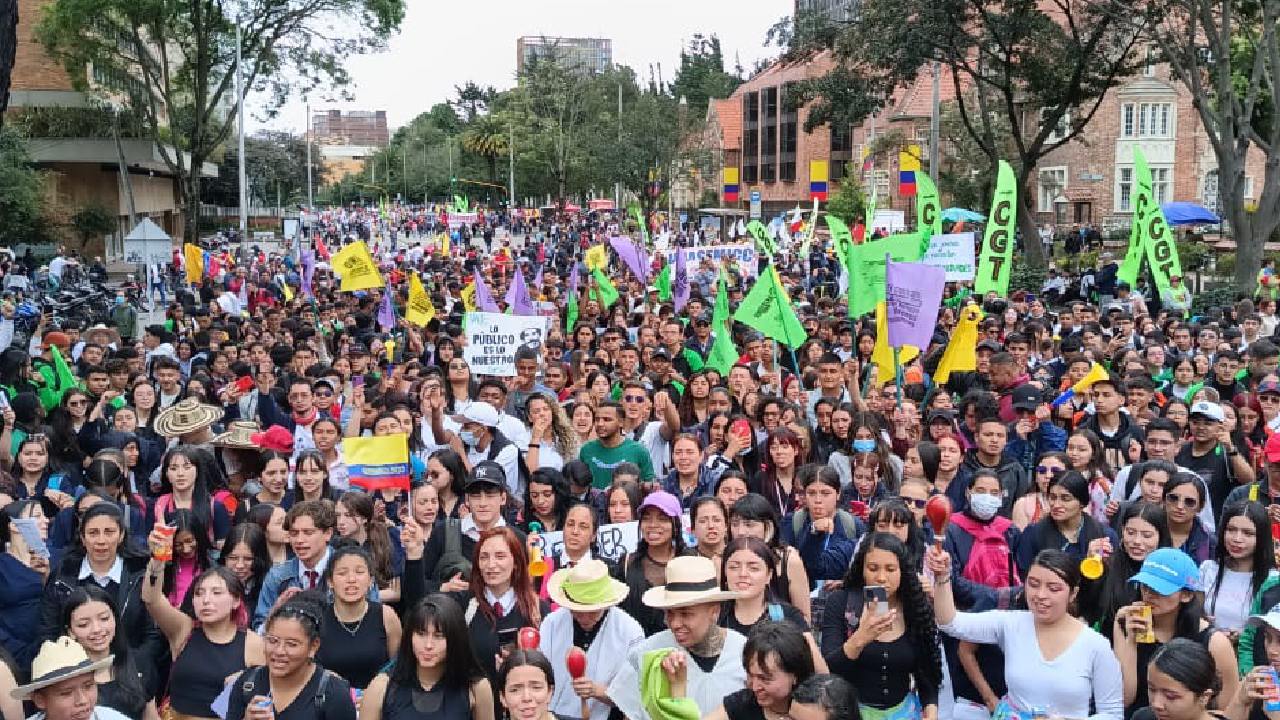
(990, 560)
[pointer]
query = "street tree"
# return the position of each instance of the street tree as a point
(1227, 54)
(275, 168)
(174, 62)
(8, 50)
(701, 76)
(1041, 68)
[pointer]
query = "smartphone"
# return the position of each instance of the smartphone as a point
(878, 595)
(4, 400)
(507, 639)
(357, 381)
(741, 427)
(858, 509)
(244, 384)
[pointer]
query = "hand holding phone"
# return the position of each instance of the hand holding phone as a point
(877, 596)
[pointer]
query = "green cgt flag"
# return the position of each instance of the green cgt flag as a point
(723, 353)
(866, 283)
(928, 211)
(663, 283)
(768, 308)
(1150, 235)
(760, 234)
(997, 244)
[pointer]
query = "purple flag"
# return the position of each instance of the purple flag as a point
(386, 311)
(632, 256)
(484, 299)
(518, 296)
(537, 279)
(680, 286)
(913, 294)
(308, 271)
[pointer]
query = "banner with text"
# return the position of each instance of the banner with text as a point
(955, 253)
(612, 541)
(744, 253)
(493, 339)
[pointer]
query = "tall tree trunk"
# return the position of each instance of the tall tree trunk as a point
(1032, 248)
(190, 198)
(8, 50)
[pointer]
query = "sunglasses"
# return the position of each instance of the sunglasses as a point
(634, 399)
(1181, 501)
(916, 503)
(1045, 470)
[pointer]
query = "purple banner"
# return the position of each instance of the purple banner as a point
(913, 294)
(632, 256)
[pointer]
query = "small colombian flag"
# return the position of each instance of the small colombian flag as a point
(818, 176)
(731, 185)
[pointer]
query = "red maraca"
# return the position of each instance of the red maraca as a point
(938, 510)
(529, 638)
(576, 663)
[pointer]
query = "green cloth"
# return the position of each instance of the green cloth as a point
(655, 690)
(58, 379)
(602, 461)
(723, 353)
(1244, 650)
(767, 308)
(605, 291)
(663, 283)
(997, 244)
(695, 360)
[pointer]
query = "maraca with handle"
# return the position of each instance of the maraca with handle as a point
(528, 638)
(576, 663)
(938, 510)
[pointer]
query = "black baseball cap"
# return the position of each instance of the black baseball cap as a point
(486, 473)
(1026, 397)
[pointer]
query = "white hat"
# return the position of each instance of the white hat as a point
(478, 412)
(691, 580)
(1213, 411)
(590, 582)
(59, 660)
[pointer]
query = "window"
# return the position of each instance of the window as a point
(769, 134)
(789, 140)
(1124, 190)
(750, 138)
(1052, 182)
(1161, 184)
(1146, 120)
(1248, 187)
(841, 151)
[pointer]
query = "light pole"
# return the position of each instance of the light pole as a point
(511, 169)
(244, 209)
(310, 201)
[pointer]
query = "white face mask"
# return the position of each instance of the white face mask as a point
(984, 506)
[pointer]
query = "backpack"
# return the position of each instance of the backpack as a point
(522, 470)
(248, 684)
(990, 560)
(452, 561)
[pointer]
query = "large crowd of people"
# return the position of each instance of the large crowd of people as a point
(624, 529)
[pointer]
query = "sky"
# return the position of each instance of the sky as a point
(441, 45)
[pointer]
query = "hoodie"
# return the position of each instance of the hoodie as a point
(1014, 480)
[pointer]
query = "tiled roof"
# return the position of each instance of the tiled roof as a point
(728, 114)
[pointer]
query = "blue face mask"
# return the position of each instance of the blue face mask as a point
(468, 438)
(864, 446)
(119, 300)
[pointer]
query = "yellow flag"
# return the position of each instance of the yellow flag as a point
(195, 262)
(961, 354)
(596, 257)
(419, 311)
(469, 297)
(445, 244)
(882, 354)
(356, 266)
(288, 292)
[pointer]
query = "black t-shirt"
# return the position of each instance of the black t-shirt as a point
(1213, 469)
(333, 704)
(742, 705)
(789, 614)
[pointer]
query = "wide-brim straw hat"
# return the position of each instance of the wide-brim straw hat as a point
(58, 660)
(186, 416)
(239, 435)
(691, 580)
(102, 335)
(586, 587)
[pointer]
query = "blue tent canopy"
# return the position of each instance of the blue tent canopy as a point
(1189, 213)
(958, 214)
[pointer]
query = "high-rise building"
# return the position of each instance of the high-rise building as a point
(587, 55)
(355, 127)
(836, 10)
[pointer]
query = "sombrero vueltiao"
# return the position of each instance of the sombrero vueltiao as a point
(59, 660)
(239, 435)
(186, 416)
(586, 587)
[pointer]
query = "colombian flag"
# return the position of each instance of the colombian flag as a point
(731, 185)
(375, 463)
(908, 166)
(818, 177)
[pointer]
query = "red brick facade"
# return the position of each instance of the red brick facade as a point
(33, 68)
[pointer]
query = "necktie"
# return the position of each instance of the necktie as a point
(497, 609)
(312, 579)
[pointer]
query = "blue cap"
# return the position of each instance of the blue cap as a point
(1168, 570)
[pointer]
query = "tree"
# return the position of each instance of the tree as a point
(488, 137)
(92, 221)
(175, 62)
(275, 168)
(22, 209)
(848, 202)
(701, 76)
(472, 100)
(1041, 68)
(1227, 54)
(8, 50)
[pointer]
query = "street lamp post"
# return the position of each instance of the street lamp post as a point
(244, 209)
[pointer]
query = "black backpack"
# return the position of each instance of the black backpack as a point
(249, 683)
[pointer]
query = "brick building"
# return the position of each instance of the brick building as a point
(367, 128)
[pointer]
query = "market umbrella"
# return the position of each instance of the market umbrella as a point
(1189, 213)
(960, 214)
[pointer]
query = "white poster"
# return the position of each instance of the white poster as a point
(743, 253)
(612, 541)
(493, 339)
(457, 219)
(891, 221)
(953, 253)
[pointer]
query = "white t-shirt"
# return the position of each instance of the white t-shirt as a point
(659, 449)
(1228, 603)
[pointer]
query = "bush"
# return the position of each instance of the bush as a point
(1025, 277)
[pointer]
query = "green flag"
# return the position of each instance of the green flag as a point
(760, 234)
(723, 354)
(841, 240)
(605, 290)
(866, 282)
(644, 228)
(1150, 233)
(663, 283)
(768, 308)
(571, 316)
(997, 243)
(928, 210)
(58, 379)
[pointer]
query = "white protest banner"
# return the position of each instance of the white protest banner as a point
(891, 221)
(612, 541)
(458, 219)
(743, 253)
(493, 339)
(953, 253)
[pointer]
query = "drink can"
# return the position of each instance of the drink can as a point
(1272, 703)
(1147, 636)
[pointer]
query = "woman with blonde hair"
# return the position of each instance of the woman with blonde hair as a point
(552, 440)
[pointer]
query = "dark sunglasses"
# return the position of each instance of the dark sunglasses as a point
(916, 503)
(1044, 469)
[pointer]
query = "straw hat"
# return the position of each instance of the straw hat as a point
(239, 435)
(586, 587)
(691, 580)
(102, 335)
(59, 660)
(186, 416)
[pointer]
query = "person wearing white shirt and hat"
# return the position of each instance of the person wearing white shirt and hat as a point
(484, 441)
(63, 686)
(700, 660)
